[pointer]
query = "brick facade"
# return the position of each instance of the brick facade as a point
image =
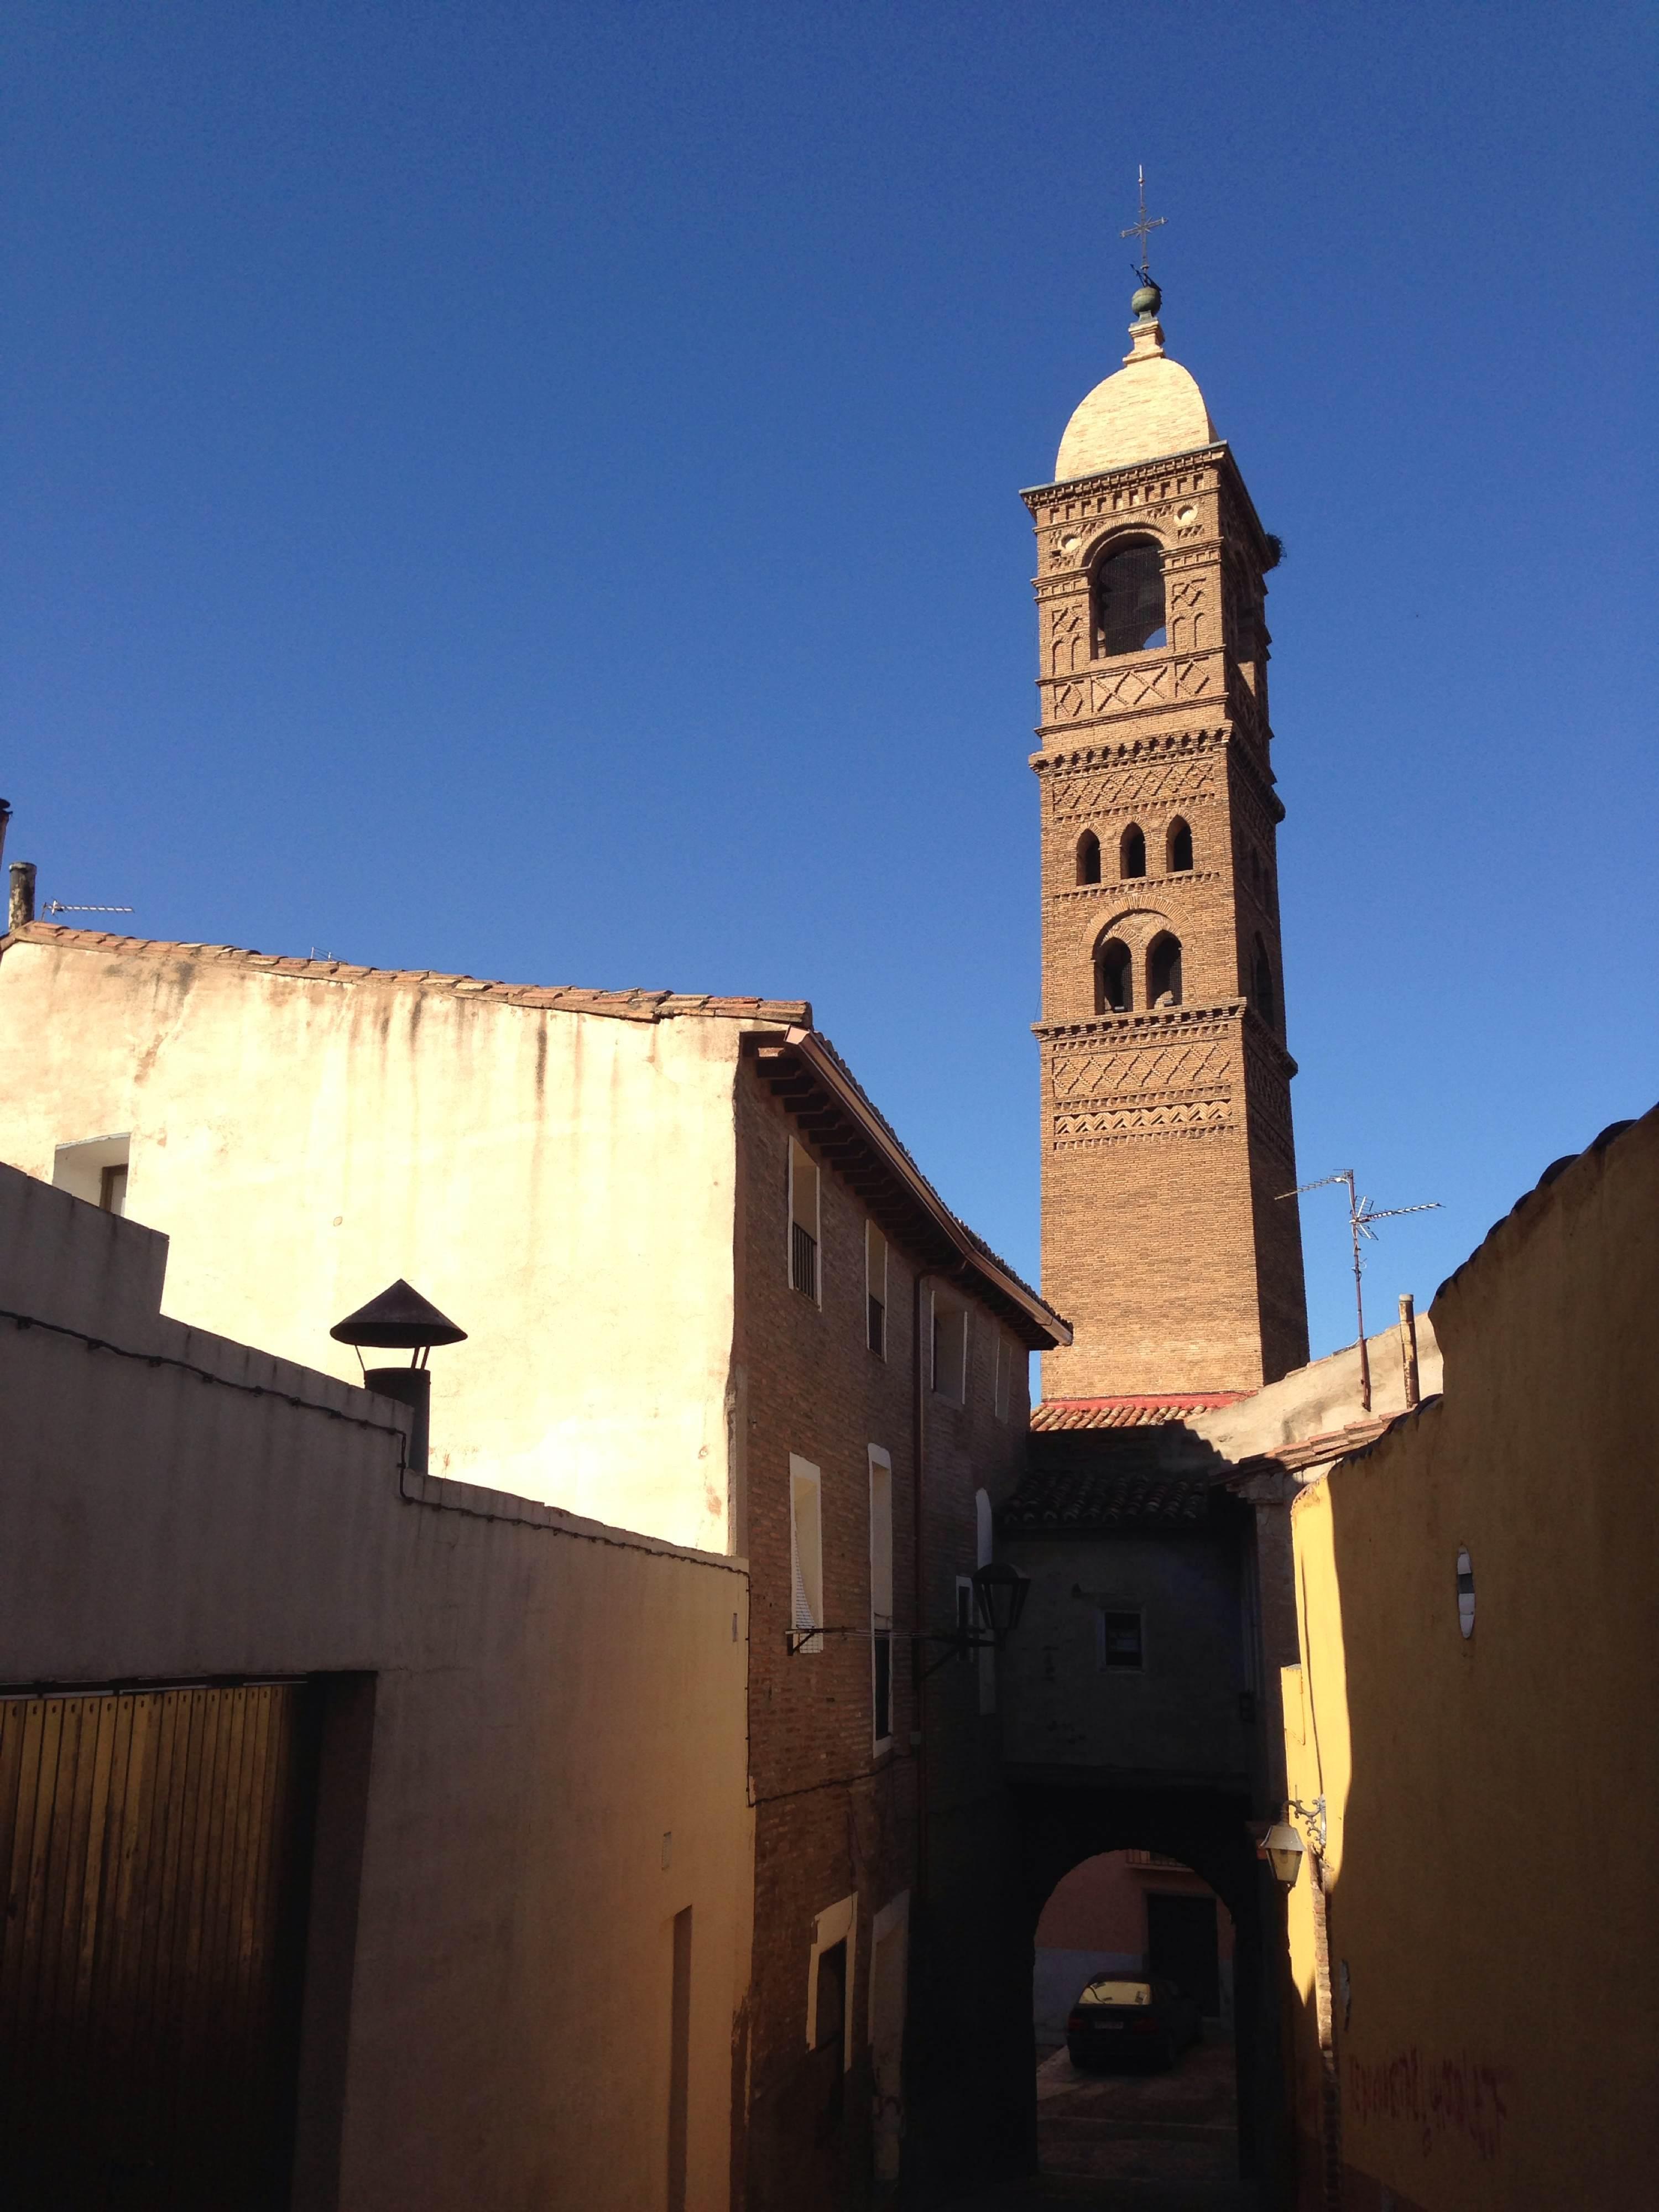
(836, 1817)
(1166, 1127)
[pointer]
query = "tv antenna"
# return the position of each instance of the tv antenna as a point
(59, 906)
(1361, 1214)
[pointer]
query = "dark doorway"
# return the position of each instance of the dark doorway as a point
(1182, 1945)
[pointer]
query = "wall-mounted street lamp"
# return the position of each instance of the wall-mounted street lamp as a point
(1000, 1592)
(401, 1320)
(1284, 1848)
(999, 1595)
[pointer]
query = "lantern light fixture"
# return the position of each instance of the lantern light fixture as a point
(1283, 1847)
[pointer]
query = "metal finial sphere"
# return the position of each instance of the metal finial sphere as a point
(1146, 302)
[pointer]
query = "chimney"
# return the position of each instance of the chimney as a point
(22, 895)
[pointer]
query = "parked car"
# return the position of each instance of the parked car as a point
(1117, 2022)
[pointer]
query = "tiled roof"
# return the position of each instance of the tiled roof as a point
(638, 1006)
(971, 1236)
(1148, 1411)
(1076, 1500)
(1308, 1451)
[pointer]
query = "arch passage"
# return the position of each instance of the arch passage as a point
(1163, 971)
(1127, 597)
(1179, 847)
(1088, 858)
(1113, 968)
(1131, 853)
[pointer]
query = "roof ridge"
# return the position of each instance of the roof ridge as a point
(637, 1003)
(972, 1235)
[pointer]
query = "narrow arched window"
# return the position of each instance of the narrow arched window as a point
(1088, 858)
(1112, 972)
(1131, 853)
(1163, 971)
(1180, 848)
(1263, 984)
(1128, 597)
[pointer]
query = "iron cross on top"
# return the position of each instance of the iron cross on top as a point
(1142, 227)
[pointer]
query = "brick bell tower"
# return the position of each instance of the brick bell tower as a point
(1166, 1083)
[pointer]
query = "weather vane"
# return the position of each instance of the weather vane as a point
(1142, 227)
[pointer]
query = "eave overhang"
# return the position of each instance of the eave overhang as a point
(807, 1078)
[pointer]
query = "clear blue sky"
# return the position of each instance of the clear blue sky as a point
(531, 490)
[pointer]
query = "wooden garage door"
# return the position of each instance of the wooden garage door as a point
(154, 1845)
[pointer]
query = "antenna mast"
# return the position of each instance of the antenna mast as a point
(1361, 1214)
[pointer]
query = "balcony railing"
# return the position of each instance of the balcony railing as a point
(804, 1261)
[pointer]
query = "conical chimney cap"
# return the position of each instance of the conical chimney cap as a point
(399, 1319)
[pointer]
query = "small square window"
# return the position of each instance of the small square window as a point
(95, 1170)
(1119, 1639)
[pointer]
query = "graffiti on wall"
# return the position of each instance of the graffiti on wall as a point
(1437, 2097)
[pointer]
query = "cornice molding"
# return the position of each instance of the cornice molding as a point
(1129, 884)
(1169, 1025)
(1135, 473)
(1156, 744)
(1157, 1024)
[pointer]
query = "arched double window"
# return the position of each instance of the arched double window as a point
(1163, 971)
(1261, 984)
(1088, 858)
(1114, 989)
(1131, 853)
(1179, 847)
(1127, 597)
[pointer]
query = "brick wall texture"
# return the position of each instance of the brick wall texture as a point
(1166, 1133)
(834, 1817)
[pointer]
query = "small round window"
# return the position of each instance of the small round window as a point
(1465, 1594)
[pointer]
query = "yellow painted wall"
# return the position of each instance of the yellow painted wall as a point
(1493, 1802)
(562, 1185)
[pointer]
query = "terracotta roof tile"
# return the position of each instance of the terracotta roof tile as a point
(1147, 1411)
(636, 1005)
(1069, 1499)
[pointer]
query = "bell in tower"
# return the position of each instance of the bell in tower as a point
(1166, 1082)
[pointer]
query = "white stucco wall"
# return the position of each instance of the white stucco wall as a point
(562, 1184)
(547, 1700)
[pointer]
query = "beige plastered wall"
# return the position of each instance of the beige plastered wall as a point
(525, 1704)
(562, 1185)
(1492, 1800)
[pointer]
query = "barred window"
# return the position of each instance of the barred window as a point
(803, 1222)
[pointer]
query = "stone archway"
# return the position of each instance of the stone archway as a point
(1059, 1824)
